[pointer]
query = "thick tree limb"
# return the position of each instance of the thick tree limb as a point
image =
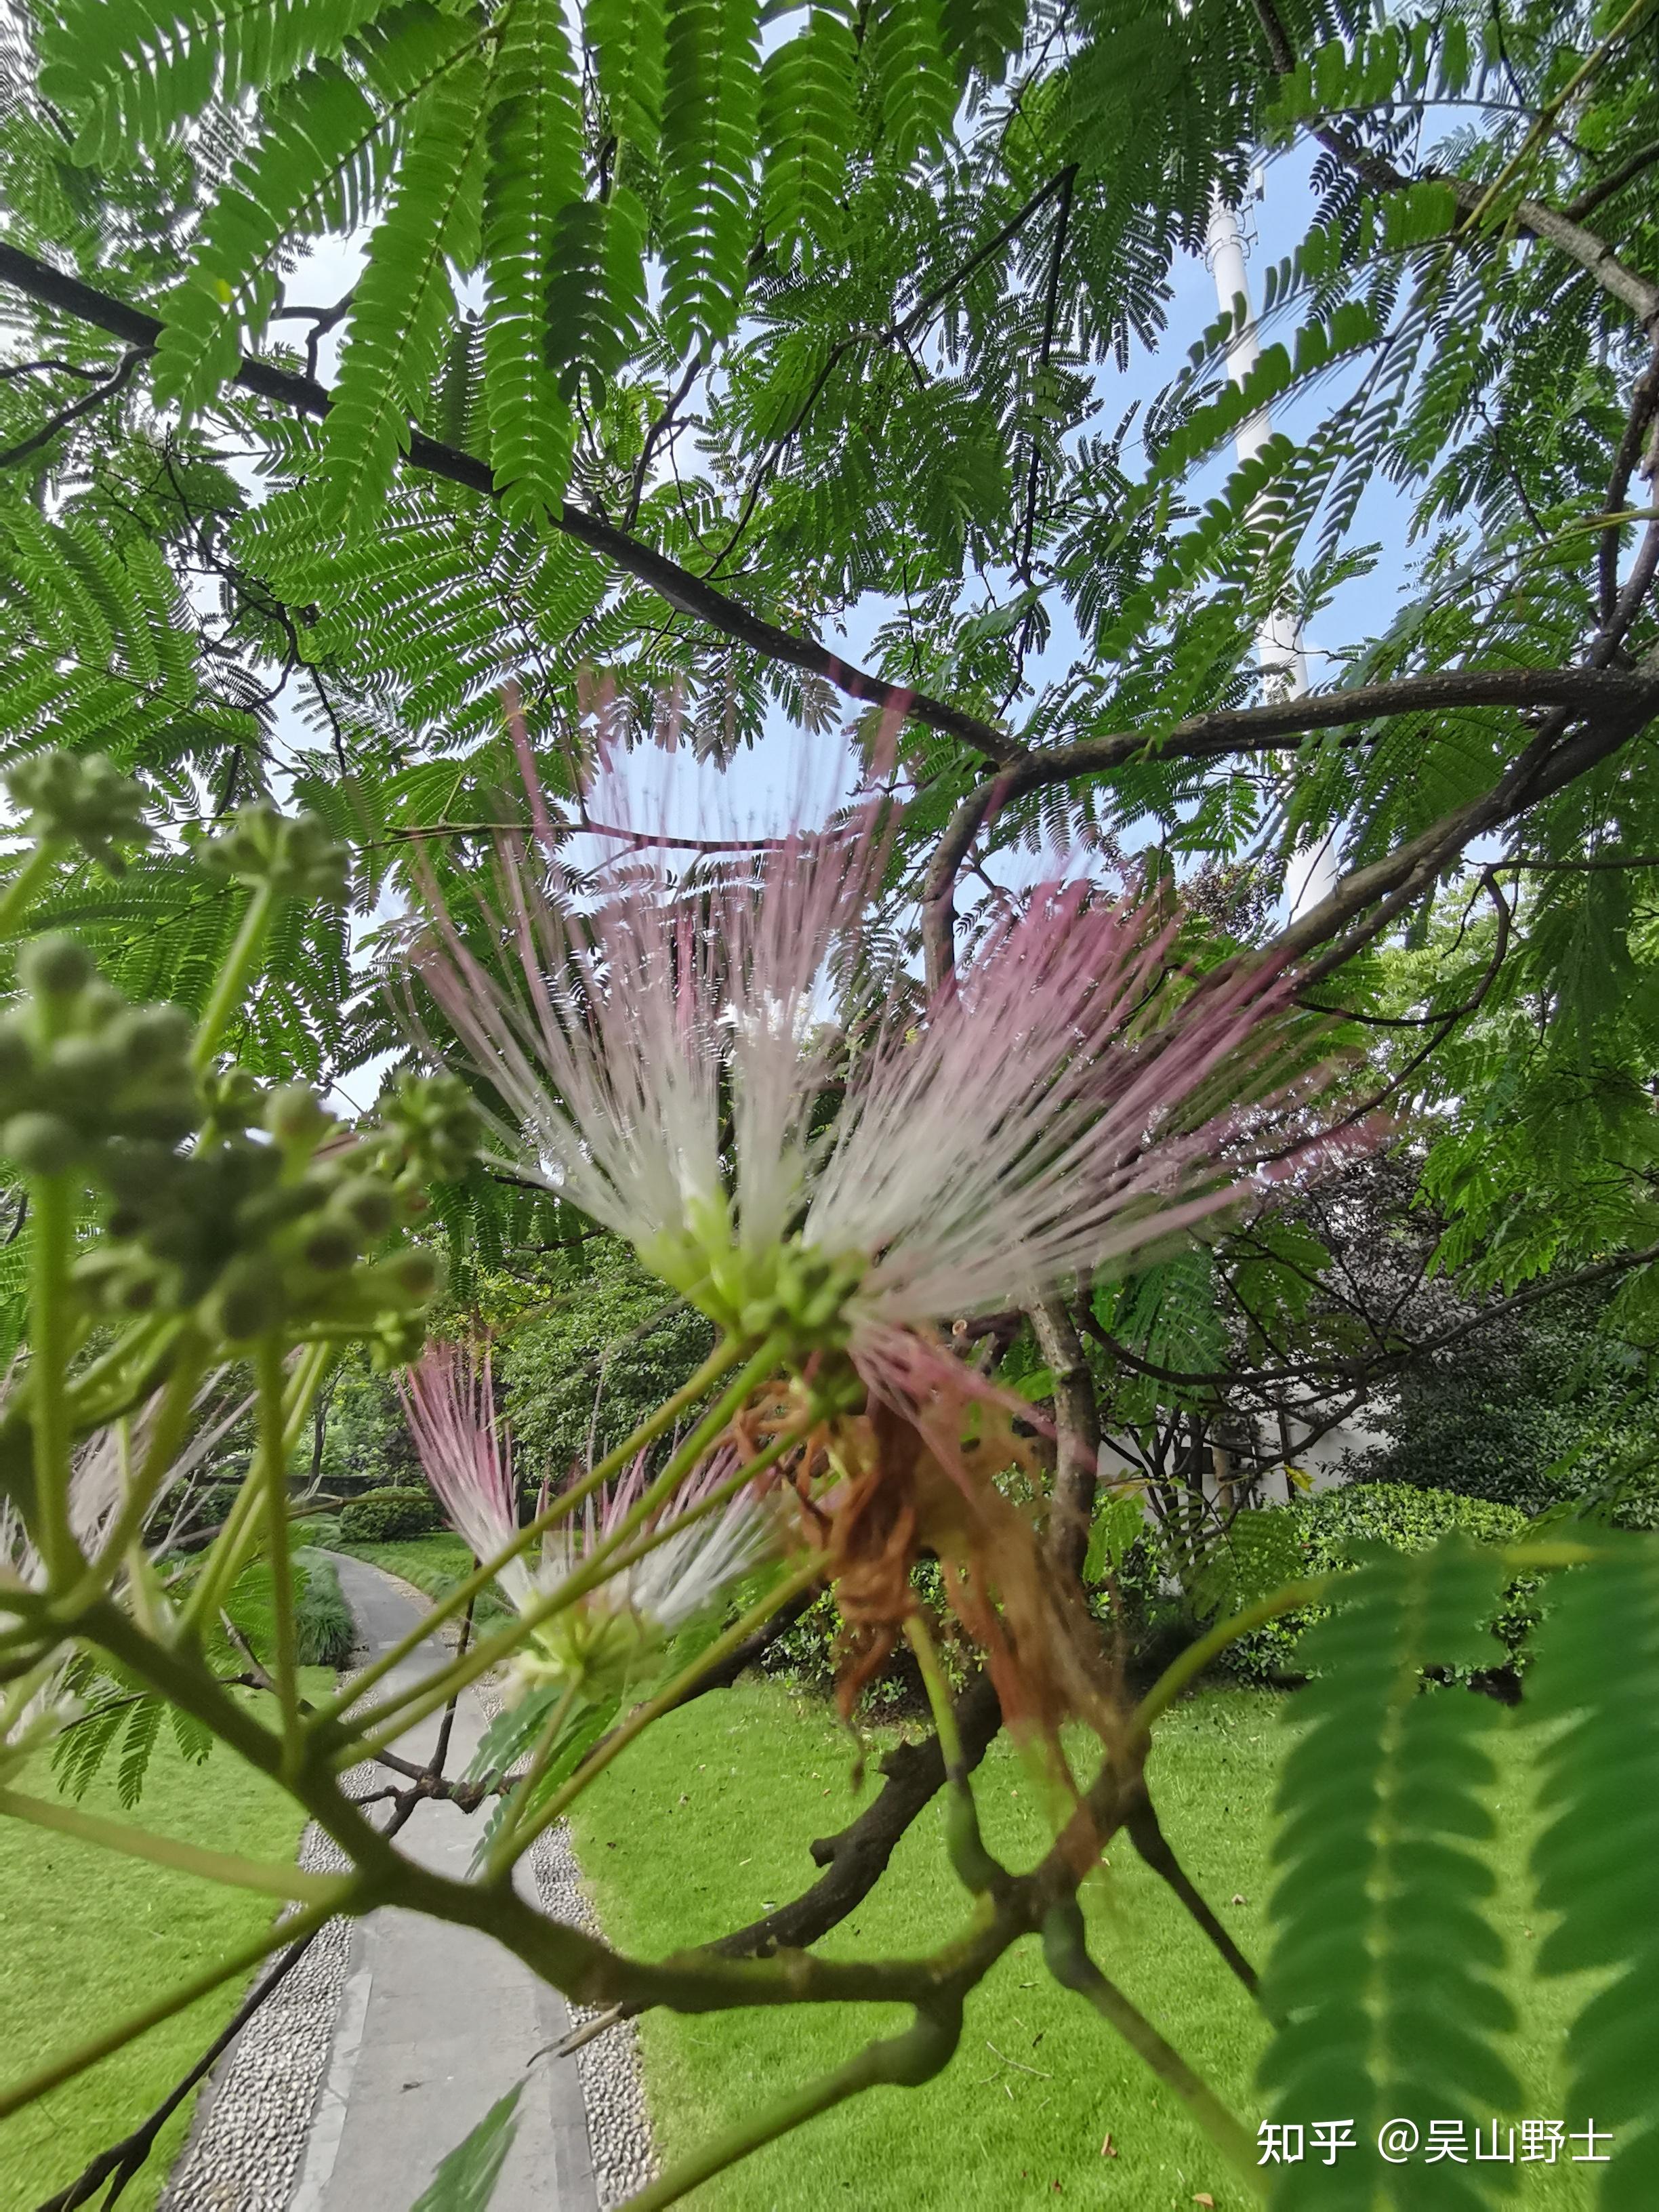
(688, 593)
(855, 1859)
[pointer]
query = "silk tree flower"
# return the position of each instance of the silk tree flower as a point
(465, 1451)
(1036, 1123)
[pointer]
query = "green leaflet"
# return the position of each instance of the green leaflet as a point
(709, 130)
(403, 300)
(915, 86)
(628, 37)
(324, 154)
(1383, 1980)
(983, 34)
(595, 311)
(465, 2179)
(315, 129)
(535, 175)
(133, 70)
(1597, 1672)
(808, 123)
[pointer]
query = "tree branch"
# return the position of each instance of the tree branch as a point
(855, 1859)
(683, 590)
(1280, 722)
(1077, 1435)
(1532, 218)
(84, 405)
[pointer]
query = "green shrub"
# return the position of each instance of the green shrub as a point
(1329, 1527)
(379, 1516)
(325, 1633)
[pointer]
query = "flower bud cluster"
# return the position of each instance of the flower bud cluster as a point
(293, 856)
(82, 1068)
(429, 1129)
(789, 1289)
(281, 1225)
(70, 799)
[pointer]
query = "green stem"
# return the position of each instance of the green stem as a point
(977, 1871)
(285, 1882)
(273, 1475)
(235, 1541)
(502, 1855)
(232, 978)
(1068, 1961)
(666, 1698)
(723, 1359)
(51, 1331)
(900, 2061)
(166, 1433)
(52, 2076)
(20, 891)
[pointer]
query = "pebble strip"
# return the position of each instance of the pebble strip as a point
(619, 2136)
(246, 2149)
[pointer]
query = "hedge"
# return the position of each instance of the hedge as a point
(379, 1516)
(1328, 1528)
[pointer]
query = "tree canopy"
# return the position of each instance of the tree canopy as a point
(681, 347)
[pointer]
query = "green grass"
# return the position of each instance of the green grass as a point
(434, 1564)
(706, 1821)
(87, 1938)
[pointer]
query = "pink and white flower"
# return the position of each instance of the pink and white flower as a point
(465, 1451)
(1037, 1121)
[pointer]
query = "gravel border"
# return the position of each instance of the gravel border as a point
(620, 2142)
(248, 2140)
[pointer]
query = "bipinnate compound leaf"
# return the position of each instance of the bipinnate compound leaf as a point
(1383, 1978)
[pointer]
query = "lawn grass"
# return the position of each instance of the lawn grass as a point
(705, 1822)
(87, 1938)
(433, 1564)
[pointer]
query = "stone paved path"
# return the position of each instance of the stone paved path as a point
(434, 2023)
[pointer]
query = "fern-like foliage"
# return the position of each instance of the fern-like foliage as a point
(1596, 1689)
(808, 125)
(630, 40)
(709, 125)
(914, 83)
(136, 70)
(404, 299)
(1383, 1978)
(535, 178)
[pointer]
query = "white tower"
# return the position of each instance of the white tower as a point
(1312, 872)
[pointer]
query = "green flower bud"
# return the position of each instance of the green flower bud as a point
(16, 1059)
(66, 799)
(81, 1068)
(151, 1037)
(232, 1099)
(296, 1116)
(331, 1247)
(41, 1143)
(369, 1205)
(248, 1301)
(54, 968)
(296, 856)
(416, 1274)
